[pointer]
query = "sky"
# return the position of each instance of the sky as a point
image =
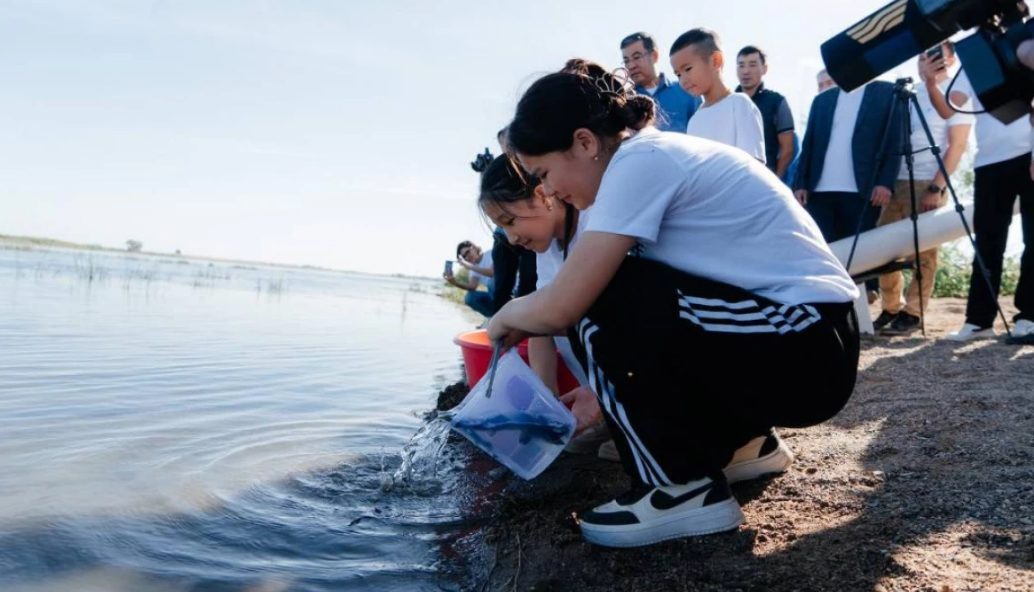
(324, 132)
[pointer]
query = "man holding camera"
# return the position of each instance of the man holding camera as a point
(639, 54)
(951, 135)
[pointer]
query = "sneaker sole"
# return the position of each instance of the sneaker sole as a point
(776, 461)
(719, 517)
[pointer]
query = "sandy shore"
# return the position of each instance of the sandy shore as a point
(925, 482)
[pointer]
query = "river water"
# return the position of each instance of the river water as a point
(179, 425)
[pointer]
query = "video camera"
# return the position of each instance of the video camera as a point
(904, 28)
(481, 161)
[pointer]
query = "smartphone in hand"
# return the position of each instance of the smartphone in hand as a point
(448, 268)
(936, 53)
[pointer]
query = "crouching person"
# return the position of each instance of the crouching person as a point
(700, 297)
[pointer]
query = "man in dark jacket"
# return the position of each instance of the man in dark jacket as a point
(841, 165)
(850, 159)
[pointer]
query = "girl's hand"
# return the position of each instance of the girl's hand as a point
(584, 406)
(463, 262)
(499, 332)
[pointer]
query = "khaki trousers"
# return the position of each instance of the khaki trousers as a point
(892, 285)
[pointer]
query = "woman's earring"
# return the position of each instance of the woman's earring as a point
(596, 158)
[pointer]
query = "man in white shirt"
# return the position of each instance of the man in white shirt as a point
(900, 317)
(1002, 172)
(473, 259)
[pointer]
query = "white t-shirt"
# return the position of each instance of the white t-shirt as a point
(547, 266)
(996, 142)
(838, 164)
(734, 121)
(714, 212)
(485, 263)
(925, 167)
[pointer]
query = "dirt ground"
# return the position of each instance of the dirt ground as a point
(925, 482)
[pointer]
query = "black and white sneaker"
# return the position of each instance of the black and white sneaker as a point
(761, 456)
(903, 325)
(653, 514)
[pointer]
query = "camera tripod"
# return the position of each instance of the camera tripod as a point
(905, 99)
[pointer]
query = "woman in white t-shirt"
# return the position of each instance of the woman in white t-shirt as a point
(701, 295)
(728, 117)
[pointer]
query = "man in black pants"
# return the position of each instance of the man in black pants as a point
(1002, 173)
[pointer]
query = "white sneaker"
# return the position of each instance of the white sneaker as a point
(971, 331)
(650, 515)
(609, 451)
(761, 456)
(1023, 328)
(1022, 333)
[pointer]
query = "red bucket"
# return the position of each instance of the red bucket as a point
(477, 356)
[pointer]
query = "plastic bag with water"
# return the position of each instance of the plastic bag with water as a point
(522, 425)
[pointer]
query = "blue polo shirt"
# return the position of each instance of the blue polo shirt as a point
(676, 105)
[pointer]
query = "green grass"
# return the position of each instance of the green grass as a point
(452, 293)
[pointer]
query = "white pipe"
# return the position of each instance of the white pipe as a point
(894, 241)
(882, 245)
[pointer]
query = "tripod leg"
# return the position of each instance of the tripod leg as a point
(977, 259)
(881, 159)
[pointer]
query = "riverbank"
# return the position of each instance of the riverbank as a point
(31, 243)
(925, 482)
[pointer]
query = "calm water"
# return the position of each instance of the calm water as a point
(173, 425)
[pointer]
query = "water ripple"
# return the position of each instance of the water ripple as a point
(170, 425)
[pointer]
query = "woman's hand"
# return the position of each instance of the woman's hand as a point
(584, 406)
(463, 262)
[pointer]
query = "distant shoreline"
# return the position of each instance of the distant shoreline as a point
(32, 242)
